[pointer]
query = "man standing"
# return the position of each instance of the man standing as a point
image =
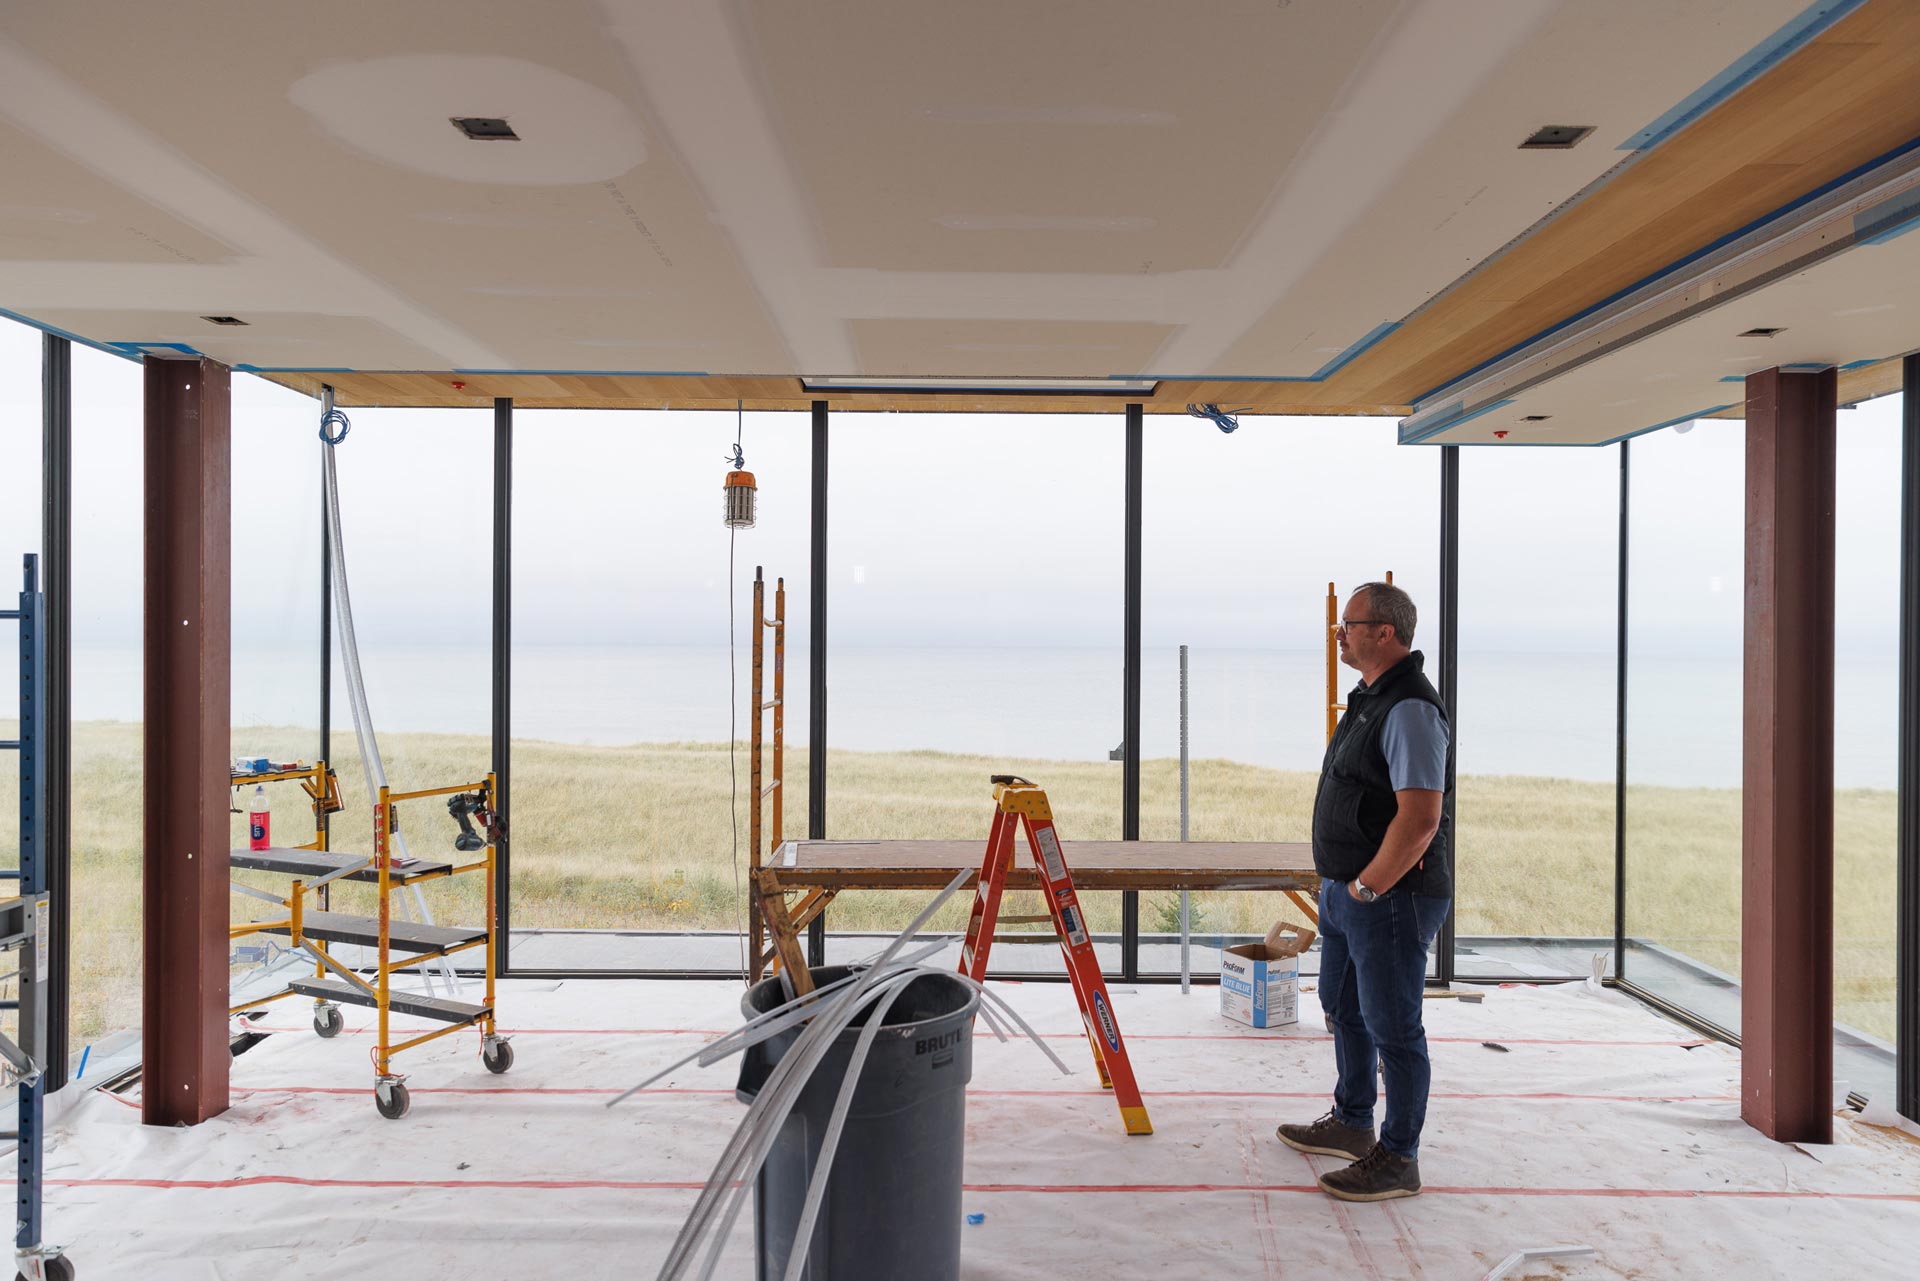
(1380, 846)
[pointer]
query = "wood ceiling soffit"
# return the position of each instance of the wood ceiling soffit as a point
(627, 391)
(1844, 100)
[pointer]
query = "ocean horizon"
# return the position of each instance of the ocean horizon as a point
(1259, 707)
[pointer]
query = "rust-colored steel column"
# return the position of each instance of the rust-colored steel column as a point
(184, 1056)
(1786, 931)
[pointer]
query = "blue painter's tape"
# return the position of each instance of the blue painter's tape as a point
(135, 350)
(1894, 232)
(1672, 422)
(1888, 222)
(1801, 368)
(1676, 265)
(288, 369)
(58, 332)
(1594, 444)
(1762, 58)
(1321, 374)
(590, 373)
(1448, 423)
(1340, 362)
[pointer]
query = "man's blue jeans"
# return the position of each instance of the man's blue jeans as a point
(1373, 971)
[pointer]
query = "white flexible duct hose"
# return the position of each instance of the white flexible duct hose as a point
(768, 1132)
(837, 1122)
(776, 1098)
(753, 1142)
(762, 1028)
(372, 766)
(830, 1139)
(747, 1150)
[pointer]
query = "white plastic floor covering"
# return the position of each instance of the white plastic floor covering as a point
(1601, 1124)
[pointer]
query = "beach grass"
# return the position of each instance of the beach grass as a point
(642, 837)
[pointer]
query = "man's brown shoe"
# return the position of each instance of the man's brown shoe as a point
(1329, 1136)
(1380, 1175)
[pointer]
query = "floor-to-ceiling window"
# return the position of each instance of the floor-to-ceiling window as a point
(20, 420)
(1686, 557)
(631, 698)
(1536, 713)
(1866, 744)
(416, 520)
(108, 538)
(1242, 535)
(974, 615)
(275, 637)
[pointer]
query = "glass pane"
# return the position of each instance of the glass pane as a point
(275, 638)
(1243, 532)
(1686, 556)
(417, 520)
(975, 614)
(20, 426)
(625, 852)
(1534, 800)
(1866, 744)
(108, 537)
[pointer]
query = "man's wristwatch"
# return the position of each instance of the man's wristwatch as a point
(1361, 892)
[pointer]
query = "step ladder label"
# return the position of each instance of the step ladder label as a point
(1050, 852)
(1070, 918)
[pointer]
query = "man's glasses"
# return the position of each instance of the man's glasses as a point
(1348, 624)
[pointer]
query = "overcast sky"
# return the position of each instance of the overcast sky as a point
(961, 530)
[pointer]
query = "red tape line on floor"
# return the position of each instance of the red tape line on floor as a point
(1051, 1036)
(1129, 1189)
(606, 1091)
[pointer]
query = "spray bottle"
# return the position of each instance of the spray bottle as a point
(259, 821)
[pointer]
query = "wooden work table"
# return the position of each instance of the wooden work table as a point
(820, 870)
(1096, 865)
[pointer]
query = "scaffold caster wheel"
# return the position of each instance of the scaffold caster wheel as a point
(327, 1021)
(56, 1267)
(497, 1055)
(392, 1099)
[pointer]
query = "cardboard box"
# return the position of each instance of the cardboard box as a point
(1260, 982)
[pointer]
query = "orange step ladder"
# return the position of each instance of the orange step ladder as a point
(1018, 802)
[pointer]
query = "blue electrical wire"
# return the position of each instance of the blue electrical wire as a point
(334, 417)
(1225, 422)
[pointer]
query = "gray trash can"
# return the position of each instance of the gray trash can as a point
(892, 1206)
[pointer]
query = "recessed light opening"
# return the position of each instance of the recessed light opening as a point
(1535, 418)
(485, 128)
(1555, 137)
(223, 320)
(984, 387)
(1762, 332)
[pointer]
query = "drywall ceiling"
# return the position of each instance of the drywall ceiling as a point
(1302, 205)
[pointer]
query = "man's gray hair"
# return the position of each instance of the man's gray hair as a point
(1388, 604)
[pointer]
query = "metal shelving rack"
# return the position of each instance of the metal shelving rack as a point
(24, 920)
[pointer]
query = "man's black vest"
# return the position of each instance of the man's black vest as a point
(1355, 802)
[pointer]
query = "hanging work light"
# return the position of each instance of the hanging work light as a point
(739, 491)
(739, 488)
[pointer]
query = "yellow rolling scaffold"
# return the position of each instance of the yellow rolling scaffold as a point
(397, 944)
